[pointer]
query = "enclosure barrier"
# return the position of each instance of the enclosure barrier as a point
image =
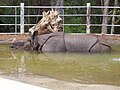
(87, 24)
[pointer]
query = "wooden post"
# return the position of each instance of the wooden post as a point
(22, 18)
(105, 18)
(15, 20)
(88, 19)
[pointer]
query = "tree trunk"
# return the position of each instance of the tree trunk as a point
(105, 18)
(102, 5)
(113, 18)
(58, 3)
(28, 13)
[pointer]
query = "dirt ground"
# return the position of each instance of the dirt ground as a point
(10, 37)
(112, 39)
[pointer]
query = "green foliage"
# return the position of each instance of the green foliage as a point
(81, 20)
(67, 20)
(94, 19)
(11, 11)
(74, 20)
(117, 20)
(74, 29)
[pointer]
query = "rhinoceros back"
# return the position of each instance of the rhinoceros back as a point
(79, 43)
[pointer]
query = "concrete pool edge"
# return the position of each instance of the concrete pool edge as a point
(7, 84)
(53, 84)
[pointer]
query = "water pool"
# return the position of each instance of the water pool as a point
(95, 68)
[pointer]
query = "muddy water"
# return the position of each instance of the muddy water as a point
(102, 68)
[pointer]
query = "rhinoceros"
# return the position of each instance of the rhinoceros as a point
(63, 42)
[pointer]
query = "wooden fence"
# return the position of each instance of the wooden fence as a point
(21, 23)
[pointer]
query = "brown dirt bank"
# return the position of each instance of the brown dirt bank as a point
(112, 39)
(10, 37)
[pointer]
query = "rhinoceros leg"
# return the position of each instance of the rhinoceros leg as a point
(79, 43)
(53, 43)
(100, 46)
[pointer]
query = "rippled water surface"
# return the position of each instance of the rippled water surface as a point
(102, 68)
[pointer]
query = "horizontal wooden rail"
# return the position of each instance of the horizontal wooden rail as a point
(22, 15)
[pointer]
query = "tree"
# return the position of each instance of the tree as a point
(113, 18)
(105, 18)
(68, 20)
(58, 3)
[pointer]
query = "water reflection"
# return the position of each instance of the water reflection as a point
(83, 68)
(21, 67)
